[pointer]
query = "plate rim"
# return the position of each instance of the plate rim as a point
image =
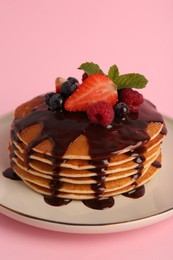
(75, 228)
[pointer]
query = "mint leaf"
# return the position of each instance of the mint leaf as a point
(113, 73)
(90, 68)
(131, 80)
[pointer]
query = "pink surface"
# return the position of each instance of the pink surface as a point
(44, 39)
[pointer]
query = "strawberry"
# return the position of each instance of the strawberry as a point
(58, 83)
(97, 87)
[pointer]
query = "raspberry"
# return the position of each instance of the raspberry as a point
(132, 98)
(84, 76)
(101, 113)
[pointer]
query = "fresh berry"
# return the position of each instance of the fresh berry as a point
(67, 88)
(132, 98)
(48, 96)
(97, 87)
(58, 83)
(72, 80)
(56, 102)
(101, 113)
(84, 76)
(121, 109)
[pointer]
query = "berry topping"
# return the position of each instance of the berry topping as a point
(84, 76)
(132, 98)
(101, 113)
(97, 87)
(48, 96)
(121, 109)
(72, 80)
(55, 102)
(58, 83)
(67, 88)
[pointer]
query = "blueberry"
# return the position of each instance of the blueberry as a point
(56, 102)
(48, 96)
(72, 80)
(67, 88)
(121, 109)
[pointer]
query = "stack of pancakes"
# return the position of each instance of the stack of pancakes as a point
(76, 174)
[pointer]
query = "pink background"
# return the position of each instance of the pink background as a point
(43, 39)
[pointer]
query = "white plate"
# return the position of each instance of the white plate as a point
(19, 202)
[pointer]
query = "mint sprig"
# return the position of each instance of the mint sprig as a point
(90, 68)
(131, 80)
(113, 73)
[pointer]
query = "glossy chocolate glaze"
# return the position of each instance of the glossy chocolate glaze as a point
(156, 164)
(136, 193)
(99, 203)
(55, 201)
(62, 128)
(10, 174)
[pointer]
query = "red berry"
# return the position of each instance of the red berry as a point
(101, 113)
(132, 98)
(84, 76)
(58, 83)
(97, 87)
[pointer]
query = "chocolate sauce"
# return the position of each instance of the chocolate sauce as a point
(156, 164)
(63, 128)
(140, 159)
(55, 160)
(100, 170)
(137, 152)
(10, 174)
(99, 203)
(55, 201)
(136, 193)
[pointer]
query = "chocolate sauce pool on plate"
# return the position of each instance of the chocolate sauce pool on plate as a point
(55, 201)
(63, 128)
(10, 174)
(100, 203)
(136, 193)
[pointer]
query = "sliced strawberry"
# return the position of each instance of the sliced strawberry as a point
(97, 87)
(58, 83)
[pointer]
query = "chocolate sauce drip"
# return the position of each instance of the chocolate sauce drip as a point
(100, 203)
(164, 130)
(137, 152)
(136, 193)
(55, 201)
(140, 159)
(63, 128)
(139, 172)
(100, 171)
(156, 164)
(55, 160)
(10, 174)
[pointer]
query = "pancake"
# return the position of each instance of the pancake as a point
(64, 155)
(83, 164)
(52, 170)
(150, 173)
